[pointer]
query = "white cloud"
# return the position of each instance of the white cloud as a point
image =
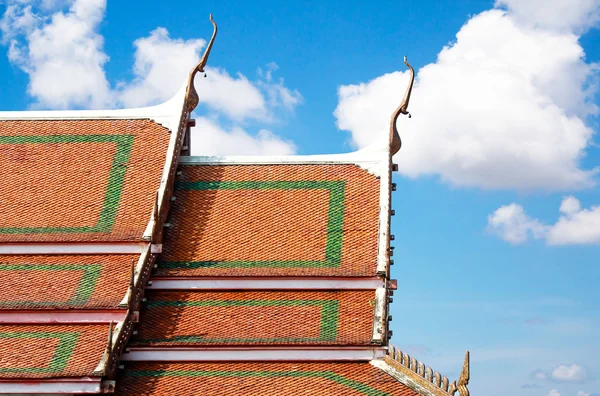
(539, 375)
(58, 45)
(582, 393)
(554, 392)
(556, 14)
(574, 226)
(62, 53)
(209, 138)
(161, 63)
(572, 373)
(512, 224)
(502, 107)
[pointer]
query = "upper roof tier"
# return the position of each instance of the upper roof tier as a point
(84, 176)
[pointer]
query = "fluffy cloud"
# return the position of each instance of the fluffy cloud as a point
(574, 226)
(572, 373)
(554, 392)
(58, 45)
(555, 14)
(62, 53)
(582, 393)
(504, 106)
(512, 224)
(209, 138)
(159, 62)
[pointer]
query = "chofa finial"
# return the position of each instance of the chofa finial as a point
(463, 379)
(191, 97)
(395, 141)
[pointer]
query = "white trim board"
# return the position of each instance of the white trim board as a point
(189, 354)
(41, 386)
(62, 316)
(78, 248)
(267, 283)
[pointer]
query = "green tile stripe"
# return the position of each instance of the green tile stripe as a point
(91, 273)
(62, 354)
(113, 190)
(327, 330)
(335, 223)
(329, 375)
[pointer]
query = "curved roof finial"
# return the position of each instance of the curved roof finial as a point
(395, 141)
(191, 97)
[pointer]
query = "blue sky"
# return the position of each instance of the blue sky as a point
(497, 222)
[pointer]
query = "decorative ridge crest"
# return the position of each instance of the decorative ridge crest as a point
(430, 376)
(395, 141)
(191, 96)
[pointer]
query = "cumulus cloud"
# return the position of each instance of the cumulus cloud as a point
(554, 392)
(539, 375)
(513, 225)
(582, 393)
(58, 45)
(62, 53)
(160, 64)
(574, 226)
(209, 138)
(572, 373)
(504, 106)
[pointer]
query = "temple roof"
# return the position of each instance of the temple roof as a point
(124, 263)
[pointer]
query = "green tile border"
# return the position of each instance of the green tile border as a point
(62, 354)
(327, 330)
(329, 375)
(91, 273)
(333, 250)
(114, 188)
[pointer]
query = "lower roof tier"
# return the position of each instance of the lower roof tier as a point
(46, 351)
(64, 281)
(273, 220)
(256, 318)
(258, 379)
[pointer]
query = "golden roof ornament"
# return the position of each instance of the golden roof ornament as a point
(395, 141)
(191, 96)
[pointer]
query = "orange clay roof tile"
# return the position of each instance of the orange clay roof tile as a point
(253, 318)
(79, 180)
(34, 351)
(258, 379)
(64, 281)
(272, 220)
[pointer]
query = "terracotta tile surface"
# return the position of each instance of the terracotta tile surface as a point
(265, 220)
(62, 281)
(258, 379)
(241, 318)
(43, 351)
(80, 180)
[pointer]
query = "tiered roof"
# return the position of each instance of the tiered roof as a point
(237, 275)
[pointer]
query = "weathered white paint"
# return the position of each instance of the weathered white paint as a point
(139, 267)
(175, 106)
(40, 386)
(264, 283)
(189, 354)
(75, 248)
(378, 315)
(59, 317)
